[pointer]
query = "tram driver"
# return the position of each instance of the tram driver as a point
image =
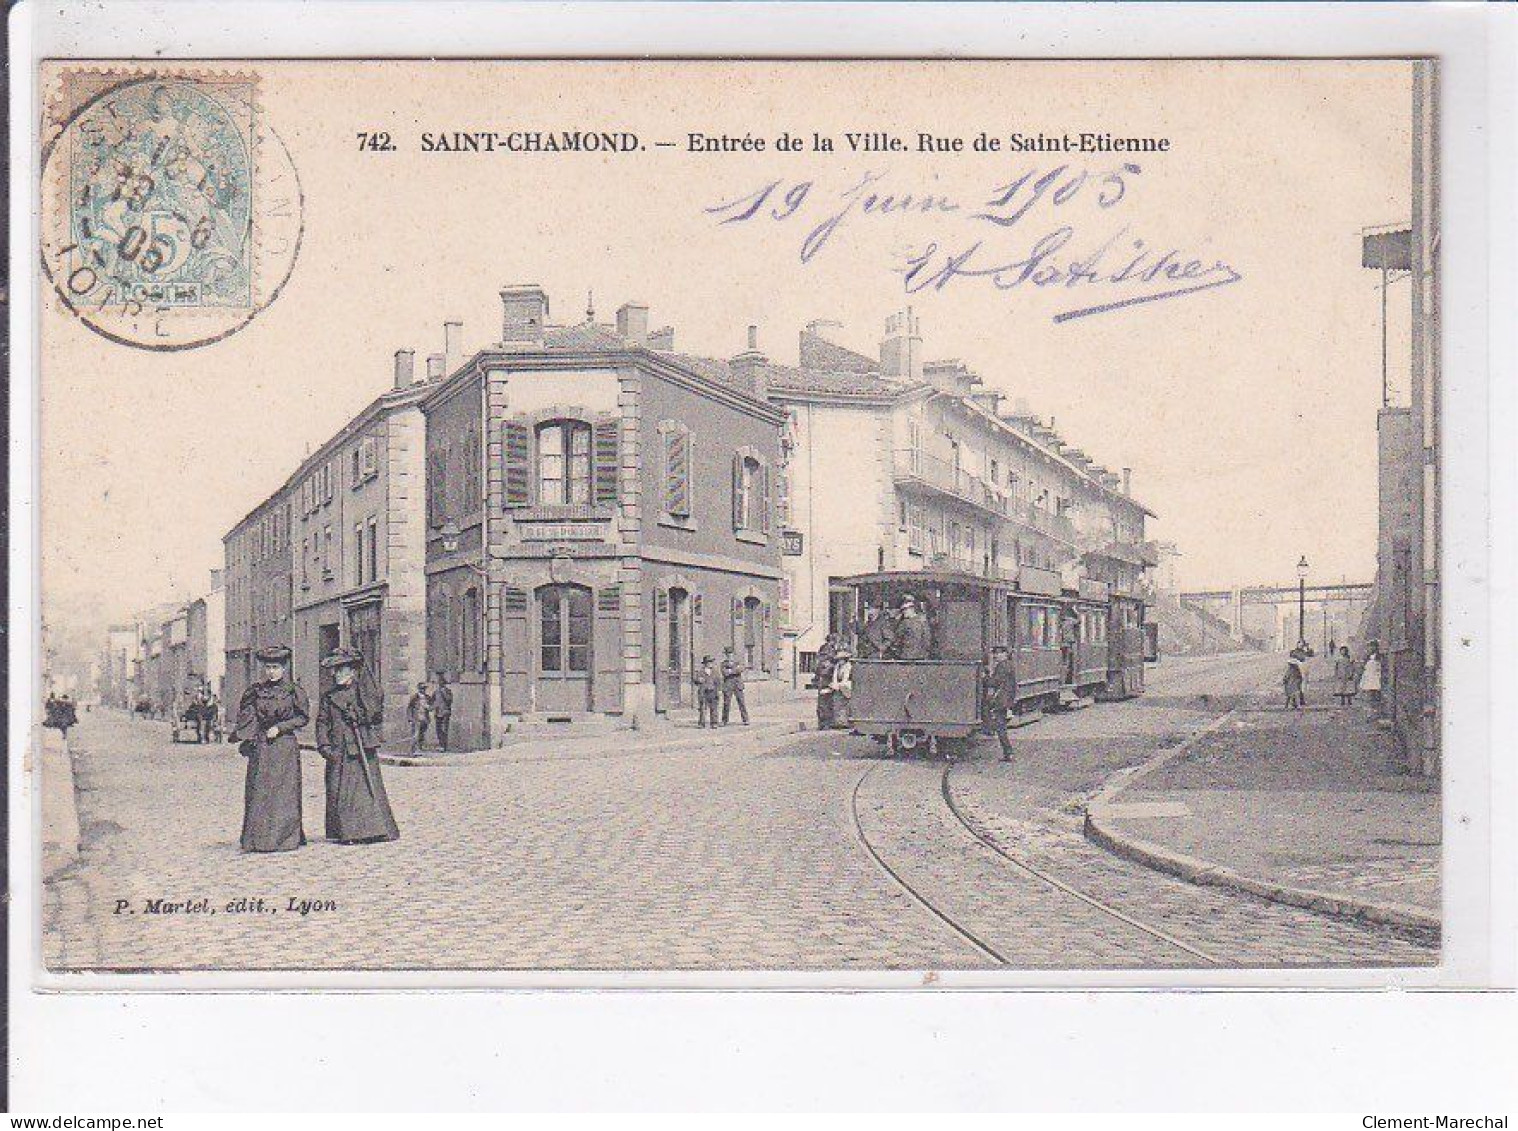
(914, 636)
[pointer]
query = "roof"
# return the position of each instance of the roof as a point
(585, 336)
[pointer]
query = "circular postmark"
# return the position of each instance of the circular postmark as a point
(172, 212)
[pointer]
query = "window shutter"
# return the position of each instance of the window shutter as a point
(737, 490)
(737, 622)
(370, 451)
(764, 498)
(517, 453)
(608, 462)
(783, 497)
(764, 640)
(677, 447)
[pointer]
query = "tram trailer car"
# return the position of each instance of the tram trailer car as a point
(1064, 644)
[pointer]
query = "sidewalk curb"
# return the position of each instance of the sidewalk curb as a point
(1097, 829)
(509, 755)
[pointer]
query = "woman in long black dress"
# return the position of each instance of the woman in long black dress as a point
(347, 735)
(268, 717)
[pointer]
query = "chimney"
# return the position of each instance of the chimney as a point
(901, 350)
(632, 323)
(1127, 480)
(524, 310)
(405, 365)
(748, 367)
(435, 367)
(662, 339)
(453, 346)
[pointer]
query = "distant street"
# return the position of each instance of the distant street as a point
(807, 851)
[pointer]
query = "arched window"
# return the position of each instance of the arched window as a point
(564, 462)
(750, 476)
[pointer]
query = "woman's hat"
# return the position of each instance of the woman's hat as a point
(343, 658)
(276, 655)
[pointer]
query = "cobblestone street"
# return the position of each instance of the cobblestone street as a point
(760, 851)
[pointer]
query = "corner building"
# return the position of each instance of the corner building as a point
(600, 514)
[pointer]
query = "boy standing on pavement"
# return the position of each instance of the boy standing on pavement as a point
(708, 691)
(732, 686)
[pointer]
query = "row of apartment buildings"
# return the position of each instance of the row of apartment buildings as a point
(151, 659)
(564, 522)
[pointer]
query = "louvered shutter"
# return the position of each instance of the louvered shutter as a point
(738, 491)
(764, 498)
(608, 462)
(783, 497)
(677, 446)
(516, 450)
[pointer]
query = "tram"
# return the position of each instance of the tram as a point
(1067, 646)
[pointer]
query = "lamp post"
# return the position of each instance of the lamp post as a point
(1302, 599)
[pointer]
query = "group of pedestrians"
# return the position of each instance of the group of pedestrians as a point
(431, 707)
(349, 716)
(720, 683)
(60, 713)
(1350, 678)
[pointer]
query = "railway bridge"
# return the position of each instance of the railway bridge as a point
(1266, 616)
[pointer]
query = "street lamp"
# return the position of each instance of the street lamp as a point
(1302, 599)
(448, 534)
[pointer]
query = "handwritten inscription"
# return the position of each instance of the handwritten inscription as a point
(1023, 235)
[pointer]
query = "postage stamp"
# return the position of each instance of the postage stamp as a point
(172, 213)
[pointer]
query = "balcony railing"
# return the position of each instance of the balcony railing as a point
(915, 466)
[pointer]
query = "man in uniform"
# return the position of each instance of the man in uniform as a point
(914, 636)
(1001, 693)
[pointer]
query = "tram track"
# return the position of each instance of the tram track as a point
(1026, 869)
(1059, 885)
(900, 881)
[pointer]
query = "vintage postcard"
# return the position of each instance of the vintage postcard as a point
(740, 516)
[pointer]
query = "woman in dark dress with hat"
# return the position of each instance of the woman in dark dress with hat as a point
(268, 717)
(347, 735)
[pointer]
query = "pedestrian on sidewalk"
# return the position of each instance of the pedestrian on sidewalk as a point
(348, 722)
(442, 710)
(1000, 695)
(708, 692)
(842, 687)
(822, 680)
(1370, 676)
(1346, 676)
(1294, 680)
(732, 686)
(268, 717)
(419, 715)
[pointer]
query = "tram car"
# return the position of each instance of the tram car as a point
(1067, 646)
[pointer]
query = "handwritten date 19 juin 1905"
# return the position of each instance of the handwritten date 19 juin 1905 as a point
(1119, 268)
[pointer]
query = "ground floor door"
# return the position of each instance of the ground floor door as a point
(328, 640)
(364, 633)
(674, 649)
(564, 620)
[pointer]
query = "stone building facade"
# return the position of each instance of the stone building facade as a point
(600, 515)
(259, 566)
(899, 463)
(356, 541)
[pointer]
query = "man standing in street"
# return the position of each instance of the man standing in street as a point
(1001, 693)
(732, 686)
(442, 711)
(708, 692)
(419, 714)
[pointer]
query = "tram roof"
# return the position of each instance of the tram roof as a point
(927, 577)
